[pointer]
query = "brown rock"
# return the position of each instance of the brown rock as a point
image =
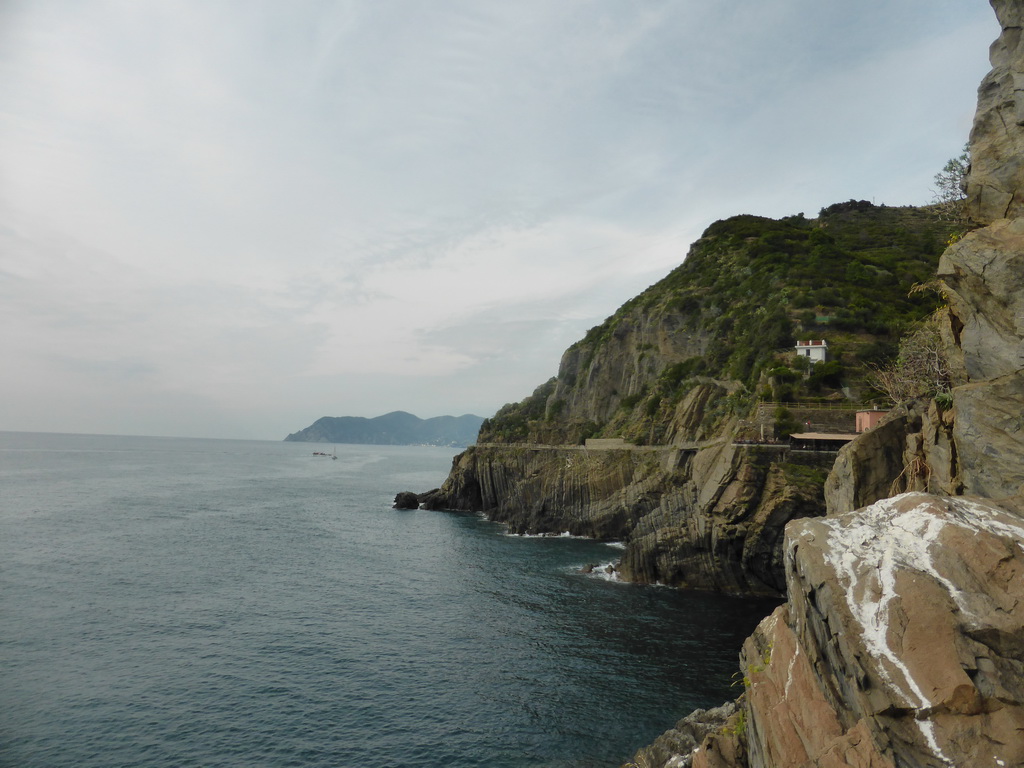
(901, 645)
(720, 750)
(908, 619)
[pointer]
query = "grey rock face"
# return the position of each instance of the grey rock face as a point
(674, 748)
(866, 468)
(983, 276)
(994, 189)
(913, 449)
(989, 435)
(709, 519)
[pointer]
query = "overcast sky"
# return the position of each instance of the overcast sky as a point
(228, 218)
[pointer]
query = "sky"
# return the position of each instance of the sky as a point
(228, 219)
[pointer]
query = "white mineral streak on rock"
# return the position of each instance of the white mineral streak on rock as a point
(879, 536)
(978, 517)
(866, 550)
(789, 672)
(789, 563)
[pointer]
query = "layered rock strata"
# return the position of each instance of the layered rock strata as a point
(902, 641)
(702, 516)
(901, 645)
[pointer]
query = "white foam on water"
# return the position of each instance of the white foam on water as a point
(601, 571)
(562, 535)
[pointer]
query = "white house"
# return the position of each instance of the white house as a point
(815, 349)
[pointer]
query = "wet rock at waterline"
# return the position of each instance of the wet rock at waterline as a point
(407, 500)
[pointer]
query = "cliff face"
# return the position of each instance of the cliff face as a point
(675, 373)
(994, 189)
(973, 446)
(708, 517)
(902, 641)
(729, 317)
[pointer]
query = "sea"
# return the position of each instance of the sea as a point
(186, 602)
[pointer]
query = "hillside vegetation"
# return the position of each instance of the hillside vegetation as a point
(721, 328)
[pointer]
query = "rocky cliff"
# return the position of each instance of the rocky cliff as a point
(678, 372)
(975, 444)
(737, 500)
(901, 644)
(994, 187)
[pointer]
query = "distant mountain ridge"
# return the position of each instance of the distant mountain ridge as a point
(395, 428)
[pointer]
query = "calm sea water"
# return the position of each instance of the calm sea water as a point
(173, 602)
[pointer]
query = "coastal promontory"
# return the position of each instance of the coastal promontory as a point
(901, 644)
(827, 409)
(395, 428)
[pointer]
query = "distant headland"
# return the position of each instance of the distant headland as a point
(395, 428)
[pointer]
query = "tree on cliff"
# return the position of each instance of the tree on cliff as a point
(950, 186)
(921, 369)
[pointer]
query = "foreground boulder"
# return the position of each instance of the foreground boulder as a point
(902, 644)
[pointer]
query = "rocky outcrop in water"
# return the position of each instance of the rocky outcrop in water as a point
(406, 500)
(704, 516)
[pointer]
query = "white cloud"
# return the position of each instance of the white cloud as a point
(273, 213)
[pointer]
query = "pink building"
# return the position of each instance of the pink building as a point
(867, 419)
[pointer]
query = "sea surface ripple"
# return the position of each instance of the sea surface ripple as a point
(176, 602)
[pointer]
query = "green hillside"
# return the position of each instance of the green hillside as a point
(749, 288)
